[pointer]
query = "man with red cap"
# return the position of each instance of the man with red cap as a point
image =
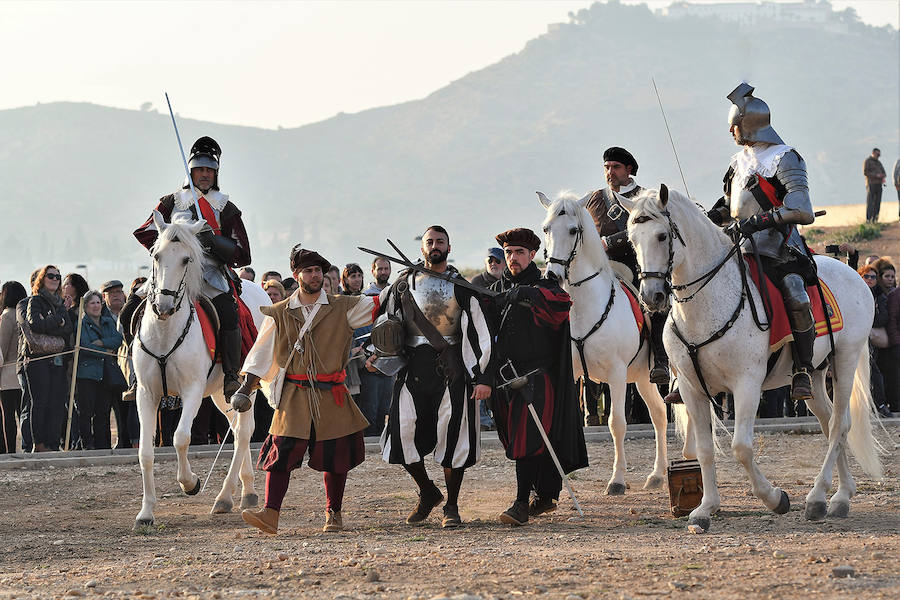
(305, 342)
(532, 364)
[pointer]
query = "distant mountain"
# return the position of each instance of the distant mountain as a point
(75, 179)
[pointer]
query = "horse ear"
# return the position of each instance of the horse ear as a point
(195, 228)
(627, 203)
(158, 221)
(582, 202)
(663, 194)
(545, 201)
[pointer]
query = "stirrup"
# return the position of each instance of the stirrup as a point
(801, 386)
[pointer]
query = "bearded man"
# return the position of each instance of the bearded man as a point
(309, 335)
(532, 365)
(434, 409)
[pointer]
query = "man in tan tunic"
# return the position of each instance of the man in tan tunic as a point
(315, 413)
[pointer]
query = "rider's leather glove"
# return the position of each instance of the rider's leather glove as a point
(747, 227)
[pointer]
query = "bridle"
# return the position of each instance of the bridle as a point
(666, 275)
(177, 294)
(578, 232)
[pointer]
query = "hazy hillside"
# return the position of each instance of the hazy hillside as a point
(75, 179)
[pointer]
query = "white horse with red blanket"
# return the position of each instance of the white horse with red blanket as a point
(170, 330)
(607, 337)
(678, 246)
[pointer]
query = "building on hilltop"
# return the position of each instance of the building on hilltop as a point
(804, 13)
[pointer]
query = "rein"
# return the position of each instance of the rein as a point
(179, 298)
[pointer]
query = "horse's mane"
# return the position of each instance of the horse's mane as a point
(647, 204)
(177, 232)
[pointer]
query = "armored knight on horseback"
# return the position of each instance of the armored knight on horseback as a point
(225, 245)
(766, 197)
(611, 219)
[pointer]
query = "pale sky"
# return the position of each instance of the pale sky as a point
(267, 64)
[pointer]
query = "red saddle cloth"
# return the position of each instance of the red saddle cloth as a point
(635, 308)
(780, 332)
(245, 322)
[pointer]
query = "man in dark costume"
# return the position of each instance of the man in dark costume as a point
(434, 408)
(611, 219)
(532, 364)
(225, 245)
(767, 196)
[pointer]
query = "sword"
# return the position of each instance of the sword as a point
(671, 141)
(187, 171)
(418, 267)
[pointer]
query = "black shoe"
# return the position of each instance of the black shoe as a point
(659, 374)
(539, 506)
(801, 386)
(427, 501)
(517, 514)
(885, 412)
(451, 518)
(593, 420)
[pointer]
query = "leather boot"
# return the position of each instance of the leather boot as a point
(125, 316)
(240, 400)
(333, 521)
(659, 374)
(801, 382)
(266, 520)
(231, 359)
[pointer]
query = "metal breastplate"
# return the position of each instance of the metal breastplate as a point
(437, 301)
(769, 242)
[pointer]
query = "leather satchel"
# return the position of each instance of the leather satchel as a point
(42, 344)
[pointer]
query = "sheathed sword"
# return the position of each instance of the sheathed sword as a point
(420, 268)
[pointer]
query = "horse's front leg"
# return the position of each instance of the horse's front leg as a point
(746, 400)
(657, 408)
(617, 427)
(700, 423)
(242, 427)
(147, 407)
(191, 397)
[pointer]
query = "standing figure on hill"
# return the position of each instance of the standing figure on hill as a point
(766, 197)
(447, 346)
(875, 176)
(225, 245)
(532, 365)
(611, 218)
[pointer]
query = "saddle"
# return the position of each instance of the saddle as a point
(206, 315)
(780, 330)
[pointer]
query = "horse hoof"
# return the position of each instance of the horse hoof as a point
(615, 489)
(249, 501)
(194, 491)
(654, 483)
(839, 509)
(815, 511)
(784, 504)
(221, 507)
(142, 524)
(701, 523)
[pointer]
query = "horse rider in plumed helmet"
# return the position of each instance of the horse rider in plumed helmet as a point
(225, 245)
(766, 197)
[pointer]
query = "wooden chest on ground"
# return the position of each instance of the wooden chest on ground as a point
(685, 486)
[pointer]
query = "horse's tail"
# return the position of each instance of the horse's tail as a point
(682, 421)
(861, 438)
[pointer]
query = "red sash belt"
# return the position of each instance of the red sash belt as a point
(326, 381)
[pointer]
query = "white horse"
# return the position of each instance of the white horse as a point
(602, 320)
(675, 241)
(170, 329)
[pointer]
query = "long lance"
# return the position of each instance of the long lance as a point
(671, 140)
(418, 267)
(187, 171)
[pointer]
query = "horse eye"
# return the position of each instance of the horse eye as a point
(573, 231)
(185, 260)
(156, 258)
(545, 229)
(562, 212)
(661, 237)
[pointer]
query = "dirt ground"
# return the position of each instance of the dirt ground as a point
(68, 533)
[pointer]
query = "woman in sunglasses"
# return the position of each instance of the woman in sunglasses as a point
(50, 331)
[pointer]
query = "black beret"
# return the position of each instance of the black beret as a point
(519, 237)
(308, 258)
(621, 155)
